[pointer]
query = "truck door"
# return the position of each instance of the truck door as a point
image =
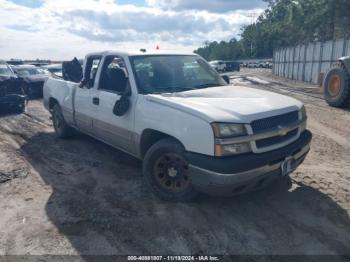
(113, 85)
(85, 103)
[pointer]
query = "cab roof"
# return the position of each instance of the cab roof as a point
(141, 52)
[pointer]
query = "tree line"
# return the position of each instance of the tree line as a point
(284, 23)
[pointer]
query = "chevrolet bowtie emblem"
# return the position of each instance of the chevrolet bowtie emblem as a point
(282, 131)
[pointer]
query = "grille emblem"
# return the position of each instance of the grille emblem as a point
(282, 131)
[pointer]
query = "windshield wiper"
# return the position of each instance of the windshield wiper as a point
(206, 85)
(179, 89)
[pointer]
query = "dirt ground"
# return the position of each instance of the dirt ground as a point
(81, 197)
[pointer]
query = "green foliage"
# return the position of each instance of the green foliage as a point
(285, 23)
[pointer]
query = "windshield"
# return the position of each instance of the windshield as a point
(173, 73)
(23, 72)
(5, 70)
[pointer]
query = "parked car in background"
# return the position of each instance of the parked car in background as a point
(219, 66)
(193, 131)
(265, 64)
(12, 97)
(253, 65)
(44, 71)
(269, 65)
(15, 62)
(33, 77)
(232, 66)
(55, 69)
(261, 65)
(6, 71)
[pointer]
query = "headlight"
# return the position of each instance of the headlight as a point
(232, 149)
(227, 130)
(302, 114)
(223, 130)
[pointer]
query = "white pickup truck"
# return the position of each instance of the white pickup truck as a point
(193, 131)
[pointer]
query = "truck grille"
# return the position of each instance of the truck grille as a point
(276, 139)
(271, 123)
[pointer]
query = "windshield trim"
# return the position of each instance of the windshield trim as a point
(144, 92)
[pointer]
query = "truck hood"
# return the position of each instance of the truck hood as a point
(236, 104)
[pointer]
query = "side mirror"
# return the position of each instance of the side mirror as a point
(121, 106)
(226, 78)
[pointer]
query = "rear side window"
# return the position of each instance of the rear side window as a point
(91, 68)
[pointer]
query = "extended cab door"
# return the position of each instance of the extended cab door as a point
(113, 87)
(84, 100)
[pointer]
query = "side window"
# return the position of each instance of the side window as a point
(114, 75)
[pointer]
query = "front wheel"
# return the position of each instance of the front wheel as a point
(165, 170)
(62, 129)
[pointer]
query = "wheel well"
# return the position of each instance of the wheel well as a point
(52, 103)
(149, 137)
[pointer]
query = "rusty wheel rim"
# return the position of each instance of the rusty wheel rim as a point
(171, 173)
(334, 86)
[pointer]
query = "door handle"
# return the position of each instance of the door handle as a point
(96, 101)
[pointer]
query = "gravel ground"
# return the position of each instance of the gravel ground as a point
(81, 197)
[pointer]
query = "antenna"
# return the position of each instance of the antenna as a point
(252, 17)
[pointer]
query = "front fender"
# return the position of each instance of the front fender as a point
(346, 62)
(193, 132)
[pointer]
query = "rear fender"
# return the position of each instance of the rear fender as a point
(346, 62)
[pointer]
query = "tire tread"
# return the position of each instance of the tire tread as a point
(66, 130)
(344, 99)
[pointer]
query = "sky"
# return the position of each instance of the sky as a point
(62, 29)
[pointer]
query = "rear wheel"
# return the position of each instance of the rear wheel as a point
(165, 169)
(62, 129)
(336, 87)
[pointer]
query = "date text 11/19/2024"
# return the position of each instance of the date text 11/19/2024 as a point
(173, 258)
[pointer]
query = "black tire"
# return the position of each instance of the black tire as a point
(337, 96)
(62, 129)
(170, 187)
